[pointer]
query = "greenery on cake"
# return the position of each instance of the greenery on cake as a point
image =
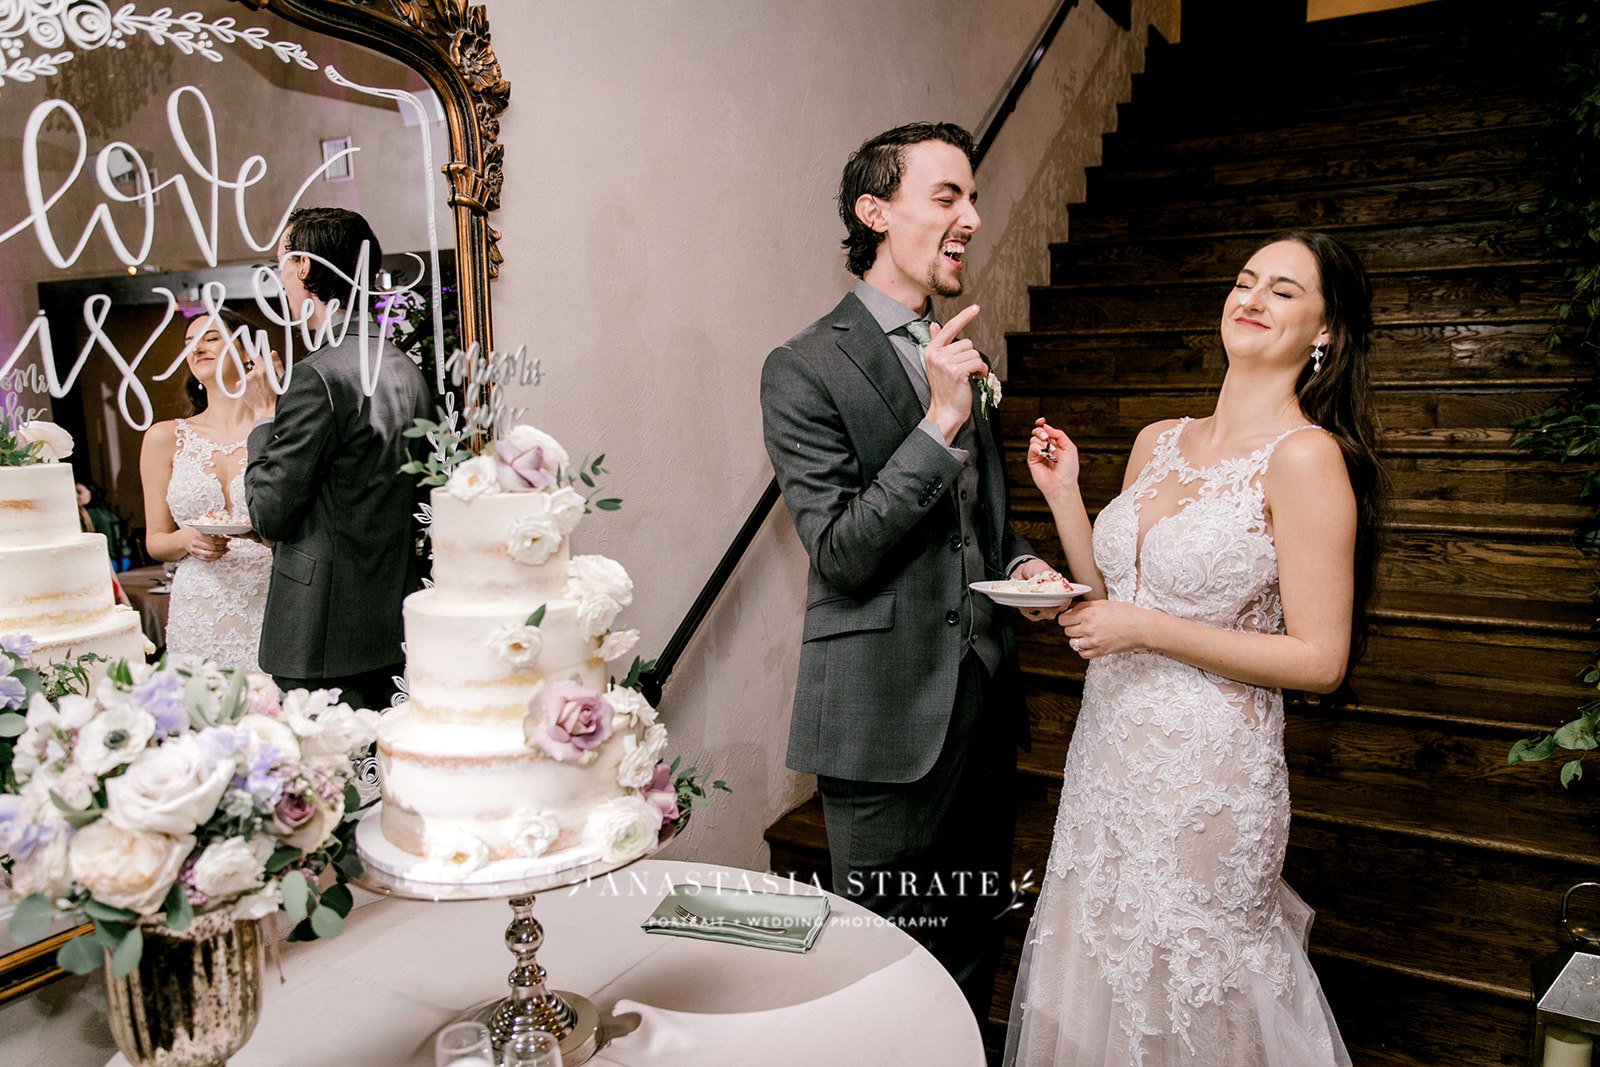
(172, 790)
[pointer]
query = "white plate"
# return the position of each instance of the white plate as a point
(231, 530)
(1003, 593)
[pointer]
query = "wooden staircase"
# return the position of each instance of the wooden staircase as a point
(1436, 870)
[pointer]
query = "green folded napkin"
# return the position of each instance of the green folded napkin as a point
(783, 921)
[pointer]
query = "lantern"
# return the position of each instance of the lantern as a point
(1566, 993)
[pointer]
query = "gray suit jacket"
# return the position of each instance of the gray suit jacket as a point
(871, 498)
(324, 483)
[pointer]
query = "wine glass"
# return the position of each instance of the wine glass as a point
(532, 1048)
(464, 1044)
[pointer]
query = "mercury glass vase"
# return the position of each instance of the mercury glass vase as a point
(194, 998)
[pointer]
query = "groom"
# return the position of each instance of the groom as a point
(323, 480)
(907, 707)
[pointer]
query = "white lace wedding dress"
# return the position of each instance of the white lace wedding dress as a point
(216, 607)
(1164, 934)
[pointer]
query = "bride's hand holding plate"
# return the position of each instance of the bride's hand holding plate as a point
(1096, 628)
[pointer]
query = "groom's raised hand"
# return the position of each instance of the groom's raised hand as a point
(950, 361)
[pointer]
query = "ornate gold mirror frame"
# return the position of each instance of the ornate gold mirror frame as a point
(447, 43)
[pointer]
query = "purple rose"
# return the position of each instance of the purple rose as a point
(662, 794)
(566, 720)
(522, 469)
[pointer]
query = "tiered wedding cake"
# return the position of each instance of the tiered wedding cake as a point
(55, 580)
(512, 745)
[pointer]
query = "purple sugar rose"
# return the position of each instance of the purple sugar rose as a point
(521, 469)
(662, 794)
(566, 720)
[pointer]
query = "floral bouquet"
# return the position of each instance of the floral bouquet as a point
(160, 792)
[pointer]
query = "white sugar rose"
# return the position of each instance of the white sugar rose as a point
(598, 576)
(267, 731)
(517, 645)
(525, 438)
(535, 836)
(473, 478)
(125, 868)
(596, 614)
(232, 866)
(566, 507)
(169, 789)
(623, 828)
(53, 443)
(617, 643)
(259, 905)
(629, 708)
(112, 738)
(535, 535)
(639, 755)
(458, 853)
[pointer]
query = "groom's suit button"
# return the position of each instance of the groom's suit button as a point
(955, 542)
(952, 617)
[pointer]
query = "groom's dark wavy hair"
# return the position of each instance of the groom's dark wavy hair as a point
(335, 234)
(875, 170)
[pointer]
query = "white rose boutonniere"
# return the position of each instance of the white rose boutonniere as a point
(989, 393)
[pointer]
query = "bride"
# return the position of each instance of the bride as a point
(1236, 563)
(193, 473)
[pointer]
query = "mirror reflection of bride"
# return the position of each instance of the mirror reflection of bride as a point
(193, 474)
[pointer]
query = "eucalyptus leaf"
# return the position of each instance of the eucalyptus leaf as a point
(106, 913)
(180, 913)
(327, 922)
(81, 955)
(31, 918)
(12, 724)
(338, 898)
(126, 955)
(281, 857)
(295, 892)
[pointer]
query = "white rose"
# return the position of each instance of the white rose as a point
(629, 708)
(516, 644)
(259, 905)
(598, 576)
(624, 828)
(522, 438)
(170, 789)
(125, 868)
(230, 867)
(265, 731)
(617, 643)
(596, 614)
(74, 712)
(44, 869)
(112, 738)
(55, 443)
(535, 836)
(337, 733)
(459, 853)
(567, 507)
(535, 535)
(473, 478)
(639, 756)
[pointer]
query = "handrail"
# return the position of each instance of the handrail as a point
(656, 677)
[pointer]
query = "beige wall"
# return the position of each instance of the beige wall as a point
(668, 218)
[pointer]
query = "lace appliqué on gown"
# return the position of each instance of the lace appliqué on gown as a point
(1164, 933)
(216, 607)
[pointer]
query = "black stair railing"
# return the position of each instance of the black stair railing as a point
(654, 679)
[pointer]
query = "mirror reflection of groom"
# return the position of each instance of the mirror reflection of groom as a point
(907, 706)
(323, 481)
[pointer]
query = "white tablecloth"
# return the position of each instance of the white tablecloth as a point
(865, 994)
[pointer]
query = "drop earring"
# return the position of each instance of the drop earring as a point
(1316, 358)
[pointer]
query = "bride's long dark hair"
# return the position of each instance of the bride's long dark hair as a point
(1339, 399)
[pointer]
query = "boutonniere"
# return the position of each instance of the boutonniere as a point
(988, 393)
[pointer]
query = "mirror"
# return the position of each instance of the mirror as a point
(155, 147)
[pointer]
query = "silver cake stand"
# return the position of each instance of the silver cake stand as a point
(532, 1005)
